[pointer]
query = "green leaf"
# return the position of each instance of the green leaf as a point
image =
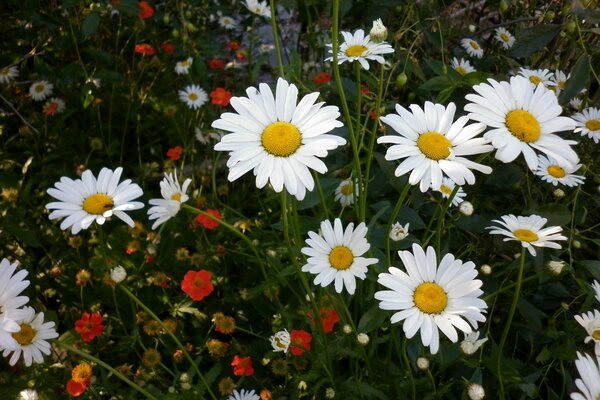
(372, 319)
(557, 214)
(388, 169)
(534, 39)
(90, 24)
(436, 83)
(578, 79)
(593, 266)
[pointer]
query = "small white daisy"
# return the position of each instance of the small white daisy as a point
(183, 67)
(446, 189)
(576, 103)
(259, 8)
(11, 286)
(589, 384)
(278, 138)
(194, 96)
(505, 38)
(472, 343)
(345, 192)
(7, 74)
(335, 255)
(559, 81)
(31, 339)
(28, 394)
(429, 296)
(433, 144)
(523, 118)
(227, 22)
(40, 90)
(461, 66)
(555, 172)
(358, 47)
(528, 230)
(54, 106)
(596, 286)
(590, 321)
(88, 199)
(280, 341)
(587, 123)
(537, 76)
(399, 232)
(472, 47)
(173, 195)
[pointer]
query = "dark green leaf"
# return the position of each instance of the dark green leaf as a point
(534, 39)
(578, 80)
(436, 83)
(557, 214)
(90, 24)
(372, 319)
(593, 266)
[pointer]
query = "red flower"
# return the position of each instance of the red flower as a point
(145, 49)
(207, 222)
(241, 55)
(89, 326)
(242, 366)
(197, 284)
(329, 317)
(174, 153)
(216, 63)
(146, 10)
(300, 341)
(321, 78)
(75, 389)
(220, 97)
(233, 45)
(168, 47)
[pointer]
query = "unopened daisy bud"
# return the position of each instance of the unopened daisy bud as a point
(466, 208)
(347, 329)
(184, 378)
(559, 193)
(577, 244)
(362, 338)
(281, 341)
(485, 269)
(329, 393)
(378, 32)
(302, 385)
(422, 363)
(472, 343)
(399, 232)
(118, 274)
(475, 392)
(186, 386)
(555, 267)
(472, 28)
(265, 361)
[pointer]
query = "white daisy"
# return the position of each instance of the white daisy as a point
(555, 172)
(558, 81)
(11, 286)
(54, 106)
(472, 343)
(173, 195)
(227, 22)
(40, 90)
(398, 232)
(505, 38)
(472, 47)
(194, 96)
(358, 47)
(461, 66)
(432, 144)
(446, 189)
(345, 192)
(589, 384)
(32, 339)
(7, 74)
(88, 199)
(259, 8)
(280, 341)
(183, 68)
(524, 118)
(28, 394)
(587, 123)
(528, 230)
(244, 395)
(576, 103)
(596, 286)
(7, 328)
(278, 139)
(590, 321)
(429, 297)
(536, 76)
(334, 255)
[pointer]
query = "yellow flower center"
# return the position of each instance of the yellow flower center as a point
(25, 336)
(341, 257)
(536, 80)
(556, 171)
(186, 63)
(176, 196)
(504, 37)
(355, 51)
(192, 96)
(281, 139)
(526, 235)
(97, 204)
(562, 85)
(593, 124)
(523, 125)
(3, 71)
(279, 343)
(596, 334)
(347, 190)
(474, 44)
(39, 88)
(430, 298)
(434, 145)
(461, 70)
(446, 190)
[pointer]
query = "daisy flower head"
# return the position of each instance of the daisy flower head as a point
(183, 67)
(472, 343)
(398, 231)
(54, 106)
(461, 66)
(556, 173)
(32, 338)
(433, 144)
(280, 341)
(523, 118)
(558, 81)
(40, 90)
(278, 138)
(446, 189)
(529, 231)
(7, 328)
(259, 8)
(7, 74)
(194, 96)
(244, 395)
(227, 22)
(345, 192)
(505, 38)
(590, 321)
(11, 286)
(472, 47)
(536, 76)
(358, 47)
(587, 123)
(589, 383)
(173, 195)
(83, 201)
(334, 255)
(428, 296)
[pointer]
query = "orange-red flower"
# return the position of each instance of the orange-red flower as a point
(242, 55)
(299, 341)
(216, 63)
(207, 222)
(329, 317)
(89, 326)
(197, 284)
(167, 47)
(82, 373)
(76, 389)
(242, 366)
(146, 10)
(174, 153)
(233, 45)
(145, 49)
(321, 78)
(220, 97)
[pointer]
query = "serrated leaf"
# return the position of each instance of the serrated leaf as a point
(90, 24)
(578, 80)
(534, 39)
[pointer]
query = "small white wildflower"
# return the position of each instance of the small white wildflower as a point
(466, 208)
(302, 385)
(28, 394)
(329, 393)
(399, 232)
(280, 341)
(472, 343)
(422, 363)
(118, 274)
(475, 392)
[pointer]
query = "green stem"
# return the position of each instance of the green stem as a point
(276, 39)
(440, 221)
(408, 367)
(321, 195)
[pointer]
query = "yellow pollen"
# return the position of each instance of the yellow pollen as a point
(355, 51)
(474, 44)
(536, 80)
(446, 190)
(596, 334)
(98, 204)
(341, 258)
(281, 139)
(461, 70)
(556, 171)
(347, 190)
(526, 235)
(523, 125)
(193, 96)
(430, 298)
(434, 145)
(25, 336)
(593, 125)
(176, 196)
(504, 37)
(39, 88)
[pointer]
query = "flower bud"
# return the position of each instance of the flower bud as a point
(378, 32)
(555, 267)
(466, 208)
(475, 392)
(422, 363)
(118, 274)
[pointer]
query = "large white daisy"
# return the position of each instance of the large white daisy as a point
(590, 321)
(7, 74)
(11, 286)
(528, 230)
(523, 118)
(587, 123)
(472, 47)
(461, 66)
(505, 38)
(334, 255)
(589, 384)
(173, 195)
(40, 90)
(555, 172)
(429, 296)
(433, 144)
(7, 328)
(278, 139)
(194, 96)
(358, 47)
(88, 199)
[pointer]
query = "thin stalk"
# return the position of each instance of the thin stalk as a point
(408, 367)
(321, 195)
(440, 221)
(276, 40)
